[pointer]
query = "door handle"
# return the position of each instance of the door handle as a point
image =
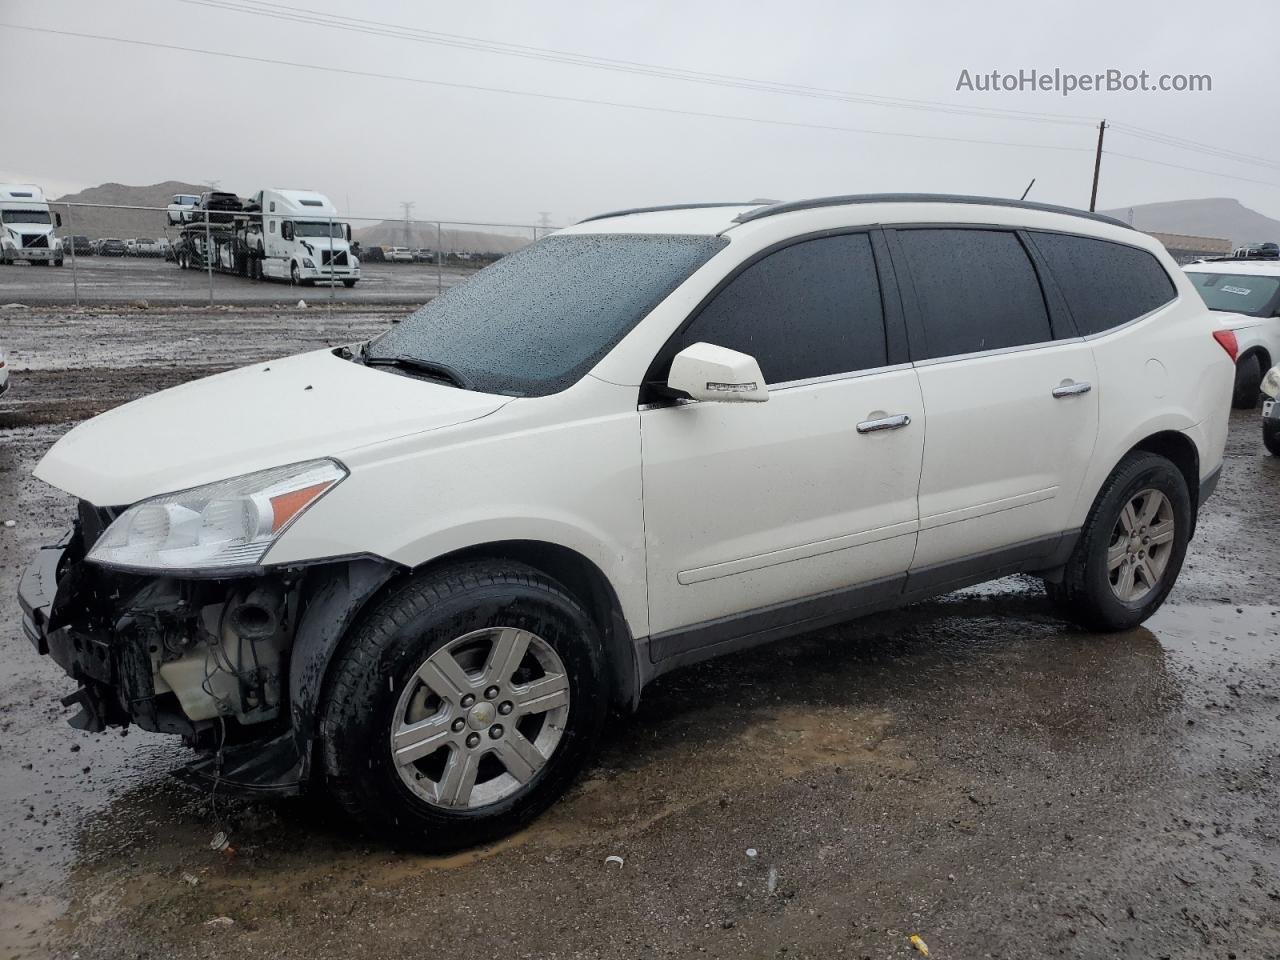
(1071, 390)
(895, 422)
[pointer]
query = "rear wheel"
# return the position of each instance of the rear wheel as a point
(463, 705)
(1248, 386)
(1131, 547)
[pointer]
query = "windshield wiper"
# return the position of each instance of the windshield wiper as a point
(430, 368)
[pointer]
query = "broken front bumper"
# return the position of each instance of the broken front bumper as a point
(101, 628)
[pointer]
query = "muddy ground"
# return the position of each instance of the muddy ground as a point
(971, 770)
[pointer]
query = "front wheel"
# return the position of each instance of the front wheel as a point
(348, 284)
(1131, 547)
(463, 706)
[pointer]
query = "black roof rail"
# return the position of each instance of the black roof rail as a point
(777, 208)
(675, 206)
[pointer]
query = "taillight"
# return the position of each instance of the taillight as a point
(1227, 340)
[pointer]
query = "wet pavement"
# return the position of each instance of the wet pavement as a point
(971, 770)
(99, 280)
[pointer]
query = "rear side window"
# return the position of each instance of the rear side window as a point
(1105, 284)
(809, 310)
(977, 290)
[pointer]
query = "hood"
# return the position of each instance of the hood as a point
(31, 228)
(322, 243)
(279, 412)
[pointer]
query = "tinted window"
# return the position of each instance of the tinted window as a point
(977, 291)
(809, 310)
(1106, 284)
(537, 320)
(1237, 293)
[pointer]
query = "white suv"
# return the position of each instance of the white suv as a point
(1244, 294)
(419, 570)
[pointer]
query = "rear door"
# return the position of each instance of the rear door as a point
(751, 507)
(1009, 395)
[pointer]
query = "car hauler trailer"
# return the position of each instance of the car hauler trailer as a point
(293, 235)
(26, 226)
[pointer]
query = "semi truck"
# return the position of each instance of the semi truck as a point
(26, 226)
(291, 235)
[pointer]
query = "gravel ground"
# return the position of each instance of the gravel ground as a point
(970, 770)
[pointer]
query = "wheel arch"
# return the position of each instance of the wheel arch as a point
(588, 583)
(1263, 355)
(1180, 450)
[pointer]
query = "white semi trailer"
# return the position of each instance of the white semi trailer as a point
(26, 226)
(292, 235)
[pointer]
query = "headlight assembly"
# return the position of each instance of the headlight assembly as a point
(308, 263)
(222, 526)
(1271, 383)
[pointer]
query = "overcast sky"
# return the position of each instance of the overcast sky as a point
(91, 111)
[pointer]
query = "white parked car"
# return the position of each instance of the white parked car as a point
(399, 254)
(418, 570)
(182, 208)
(4, 372)
(1245, 297)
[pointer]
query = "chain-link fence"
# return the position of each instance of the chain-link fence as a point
(278, 246)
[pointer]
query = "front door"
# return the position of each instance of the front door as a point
(751, 507)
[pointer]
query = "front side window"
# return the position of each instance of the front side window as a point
(1238, 293)
(809, 310)
(976, 289)
(534, 322)
(1105, 284)
(25, 216)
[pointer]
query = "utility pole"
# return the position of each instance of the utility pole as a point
(407, 206)
(1097, 167)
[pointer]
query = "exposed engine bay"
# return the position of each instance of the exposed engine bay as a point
(226, 663)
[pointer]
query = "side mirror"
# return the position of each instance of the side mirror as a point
(57, 219)
(347, 230)
(707, 372)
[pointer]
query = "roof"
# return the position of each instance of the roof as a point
(10, 192)
(718, 217)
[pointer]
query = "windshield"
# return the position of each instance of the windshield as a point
(1237, 293)
(534, 322)
(302, 228)
(25, 216)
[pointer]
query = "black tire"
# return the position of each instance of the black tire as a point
(1248, 386)
(1085, 593)
(383, 655)
(348, 284)
(57, 263)
(1271, 436)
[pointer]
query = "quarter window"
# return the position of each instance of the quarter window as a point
(977, 290)
(1105, 284)
(809, 310)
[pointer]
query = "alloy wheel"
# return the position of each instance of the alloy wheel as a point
(1141, 545)
(480, 718)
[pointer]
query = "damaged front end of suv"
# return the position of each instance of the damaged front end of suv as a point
(166, 617)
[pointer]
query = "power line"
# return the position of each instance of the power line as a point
(1195, 146)
(277, 11)
(1178, 166)
(648, 108)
